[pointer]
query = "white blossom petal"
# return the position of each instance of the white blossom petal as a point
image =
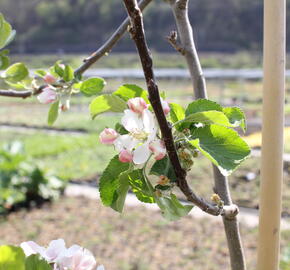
(148, 121)
(31, 247)
(141, 154)
(83, 260)
(132, 121)
(55, 249)
(125, 142)
(64, 260)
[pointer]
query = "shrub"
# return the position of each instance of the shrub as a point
(23, 181)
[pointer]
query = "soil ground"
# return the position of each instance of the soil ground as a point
(139, 239)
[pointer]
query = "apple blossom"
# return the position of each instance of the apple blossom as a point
(83, 260)
(47, 96)
(165, 106)
(137, 105)
(61, 258)
(108, 136)
(54, 250)
(49, 79)
(31, 248)
(142, 130)
(158, 149)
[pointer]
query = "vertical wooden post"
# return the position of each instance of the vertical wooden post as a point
(272, 135)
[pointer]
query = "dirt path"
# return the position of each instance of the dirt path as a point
(248, 217)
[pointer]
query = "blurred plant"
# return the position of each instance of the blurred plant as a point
(285, 260)
(23, 181)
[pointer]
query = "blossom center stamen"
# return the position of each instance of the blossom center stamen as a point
(139, 135)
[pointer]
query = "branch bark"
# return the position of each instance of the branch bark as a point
(138, 35)
(17, 94)
(180, 11)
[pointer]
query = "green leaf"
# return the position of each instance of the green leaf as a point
(109, 181)
(223, 146)
(68, 73)
(6, 32)
(57, 69)
(11, 37)
(92, 86)
(53, 113)
(208, 118)
(128, 91)
(236, 117)
(202, 105)
(120, 129)
(4, 62)
(11, 258)
(34, 262)
(140, 187)
(40, 72)
(164, 167)
(171, 208)
(107, 103)
(121, 192)
(16, 73)
(176, 114)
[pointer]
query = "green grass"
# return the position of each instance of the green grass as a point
(75, 157)
(161, 60)
(69, 157)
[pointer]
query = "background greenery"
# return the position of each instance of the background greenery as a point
(80, 25)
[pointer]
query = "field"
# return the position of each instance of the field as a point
(72, 150)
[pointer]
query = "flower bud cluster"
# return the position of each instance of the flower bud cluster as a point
(48, 94)
(142, 140)
(164, 186)
(186, 154)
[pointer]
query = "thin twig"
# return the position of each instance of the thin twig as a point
(109, 44)
(172, 39)
(88, 62)
(138, 35)
(21, 94)
(13, 93)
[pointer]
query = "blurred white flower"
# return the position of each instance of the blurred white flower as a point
(48, 95)
(62, 258)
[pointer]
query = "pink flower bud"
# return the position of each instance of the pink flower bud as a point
(49, 79)
(108, 136)
(157, 147)
(125, 156)
(47, 96)
(137, 105)
(165, 106)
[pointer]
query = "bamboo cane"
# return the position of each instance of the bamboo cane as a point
(272, 135)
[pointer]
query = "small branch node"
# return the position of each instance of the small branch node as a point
(230, 211)
(172, 39)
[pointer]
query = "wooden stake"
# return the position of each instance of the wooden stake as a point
(272, 135)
